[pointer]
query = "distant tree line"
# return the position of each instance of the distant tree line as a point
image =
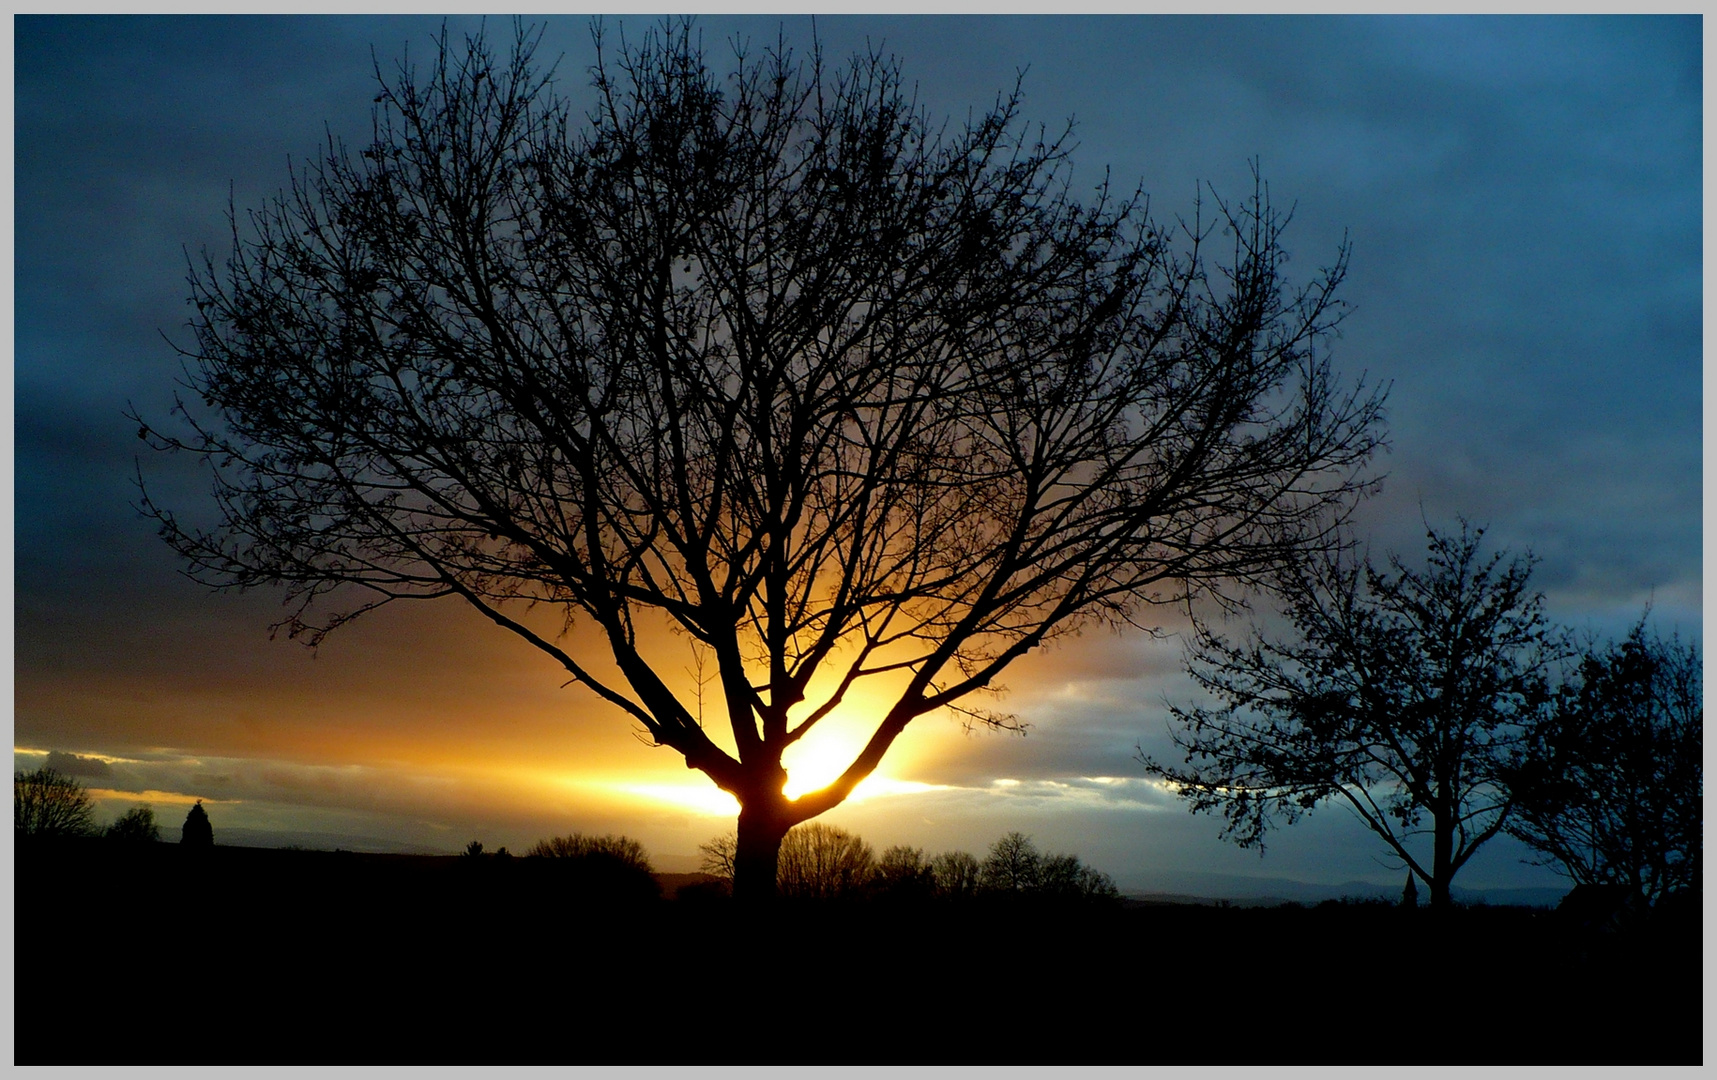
(824, 862)
(818, 862)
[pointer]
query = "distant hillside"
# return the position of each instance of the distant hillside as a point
(310, 841)
(1249, 891)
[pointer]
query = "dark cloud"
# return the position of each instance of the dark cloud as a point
(73, 765)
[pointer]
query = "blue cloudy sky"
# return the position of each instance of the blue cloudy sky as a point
(1523, 199)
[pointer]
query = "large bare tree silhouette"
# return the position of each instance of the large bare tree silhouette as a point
(830, 387)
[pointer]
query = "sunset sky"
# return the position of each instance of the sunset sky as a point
(1523, 197)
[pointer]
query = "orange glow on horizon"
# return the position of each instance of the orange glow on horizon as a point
(172, 798)
(705, 798)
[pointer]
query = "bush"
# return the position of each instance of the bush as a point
(135, 826)
(47, 803)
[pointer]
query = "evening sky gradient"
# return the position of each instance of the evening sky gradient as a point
(1523, 200)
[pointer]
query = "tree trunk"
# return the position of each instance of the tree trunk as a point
(762, 824)
(1442, 863)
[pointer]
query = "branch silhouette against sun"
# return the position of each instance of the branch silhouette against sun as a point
(835, 390)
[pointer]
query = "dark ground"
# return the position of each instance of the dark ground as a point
(331, 957)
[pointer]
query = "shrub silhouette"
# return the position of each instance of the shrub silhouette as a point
(608, 868)
(622, 849)
(47, 803)
(197, 831)
(135, 826)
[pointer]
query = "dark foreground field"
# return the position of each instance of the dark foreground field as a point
(169, 955)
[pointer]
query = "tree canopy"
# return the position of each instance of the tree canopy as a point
(835, 390)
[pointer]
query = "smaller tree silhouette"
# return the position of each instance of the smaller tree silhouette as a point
(1094, 884)
(903, 873)
(1610, 790)
(1016, 867)
(1403, 692)
(1060, 875)
(1013, 865)
(1067, 878)
(135, 826)
(47, 803)
(197, 831)
(718, 855)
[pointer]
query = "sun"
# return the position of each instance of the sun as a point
(811, 765)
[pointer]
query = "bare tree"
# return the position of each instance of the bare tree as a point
(902, 873)
(823, 862)
(716, 857)
(1013, 865)
(47, 803)
(1611, 790)
(832, 389)
(955, 874)
(1403, 694)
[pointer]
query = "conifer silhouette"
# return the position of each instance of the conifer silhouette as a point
(198, 832)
